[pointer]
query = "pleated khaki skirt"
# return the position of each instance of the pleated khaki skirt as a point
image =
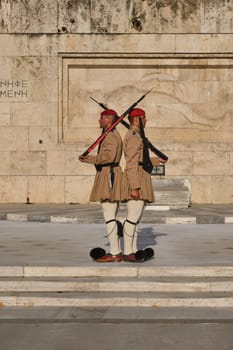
(103, 190)
(146, 190)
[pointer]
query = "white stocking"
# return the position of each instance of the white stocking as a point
(135, 210)
(110, 211)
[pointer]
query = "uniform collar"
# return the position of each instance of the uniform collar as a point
(133, 127)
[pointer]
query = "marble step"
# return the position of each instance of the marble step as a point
(113, 270)
(212, 300)
(117, 285)
(175, 193)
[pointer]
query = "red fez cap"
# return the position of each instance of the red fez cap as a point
(109, 112)
(137, 112)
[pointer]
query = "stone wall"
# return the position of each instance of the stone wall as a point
(55, 54)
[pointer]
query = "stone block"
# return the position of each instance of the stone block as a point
(74, 16)
(34, 17)
(73, 166)
(52, 114)
(13, 138)
(5, 16)
(231, 162)
(191, 147)
(5, 68)
(160, 134)
(179, 163)
(29, 114)
(42, 138)
(216, 16)
(27, 163)
(191, 135)
(79, 43)
(211, 163)
(193, 43)
(174, 193)
(137, 43)
(221, 189)
(189, 92)
(55, 162)
(43, 90)
(78, 188)
(173, 115)
(13, 45)
(201, 189)
(145, 17)
(4, 119)
(215, 116)
(13, 189)
(205, 74)
(4, 114)
(46, 189)
(27, 67)
(44, 45)
(221, 135)
(4, 163)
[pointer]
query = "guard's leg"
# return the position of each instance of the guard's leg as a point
(110, 212)
(135, 210)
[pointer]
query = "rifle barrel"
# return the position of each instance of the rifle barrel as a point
(106, 132)
(127, 125)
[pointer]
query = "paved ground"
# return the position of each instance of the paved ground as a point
(116, 336)
(91, 213)
(53, 244)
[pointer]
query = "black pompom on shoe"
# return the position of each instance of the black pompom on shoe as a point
(140, 255)
(97, 253)
(149, 252)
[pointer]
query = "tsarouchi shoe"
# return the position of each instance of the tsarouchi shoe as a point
(130, 258)
(110, 258)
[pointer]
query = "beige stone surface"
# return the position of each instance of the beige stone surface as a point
(46, 189)
(29, 113)
(211, 163)
(4, 114)
(201, 189)
(222, 189)
(78, 188)
(13, 138)
(43, 45)
(27, 163)
(42, 138)
(109, 16)
(13, 189)
(33, 17)
(179, 163)
(74, 16)
(216, 16)
(13, 45)
(4, 163)
(231, 163)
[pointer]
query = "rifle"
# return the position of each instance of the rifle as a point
(146, 162)
(127, 125)
(117, 121)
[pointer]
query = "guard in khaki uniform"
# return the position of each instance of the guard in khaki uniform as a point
(107, 183)
(136, 183)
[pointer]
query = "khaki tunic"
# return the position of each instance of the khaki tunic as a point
(110, 152)
(135, 177)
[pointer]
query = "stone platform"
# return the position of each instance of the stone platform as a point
(92, 213)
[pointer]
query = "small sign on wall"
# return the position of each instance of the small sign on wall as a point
(158, 170)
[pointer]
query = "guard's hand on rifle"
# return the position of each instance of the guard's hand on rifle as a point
(161, 160)
(134, 194)
(83, 158)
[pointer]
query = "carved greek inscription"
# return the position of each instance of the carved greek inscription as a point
(13, 89)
